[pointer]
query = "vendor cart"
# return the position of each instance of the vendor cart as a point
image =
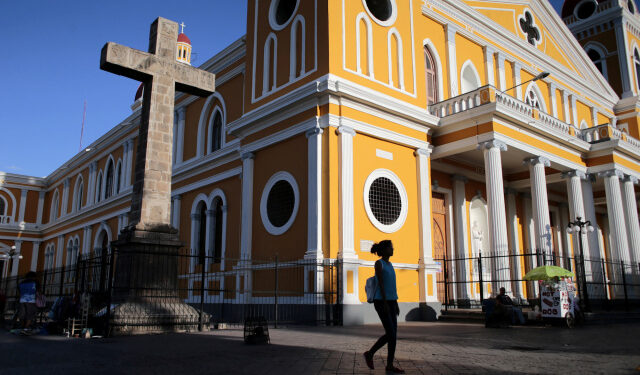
(557, 300)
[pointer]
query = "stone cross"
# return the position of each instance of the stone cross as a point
(161, 75)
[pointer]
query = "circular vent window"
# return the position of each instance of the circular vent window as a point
(382, 11)
(279, 203)
(586, 9)
(385, 200)
(281, 13)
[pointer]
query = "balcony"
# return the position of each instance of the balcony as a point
(533, 117)
(6, 219)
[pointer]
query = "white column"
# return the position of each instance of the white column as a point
(129, 164)
(247, 206)
(617, 225)
(576, 207)
(345, 140)
(540, 204)
(498, 241)
(23, 205)
(514, 244)
(34, 255)
(16, 259)
(41, 195)
(452, 65)
(462, 235)
(425, 222)
(628, 87)
(553, 99)
(86, 249)
(59, 251)
(631, 215)
(65, 197)
(314, 211)
(489, 70)
(566, 237)
(180, 139)
(175, 222)
(517, 80)
(502, 77)
(594, 116)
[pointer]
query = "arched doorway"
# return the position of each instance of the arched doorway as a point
(439, 235)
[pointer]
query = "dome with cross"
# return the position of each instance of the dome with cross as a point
(183, 48)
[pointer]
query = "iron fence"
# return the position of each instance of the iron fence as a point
(466, 282)
(222, 290)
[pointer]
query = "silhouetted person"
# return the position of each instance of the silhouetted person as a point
(28, 289)
(385, 302)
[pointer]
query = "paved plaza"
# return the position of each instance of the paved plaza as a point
(423, 348)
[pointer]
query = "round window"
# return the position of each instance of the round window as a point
(281, 13)
(279, 203)
(385, 200)
(382, 11)
(586, 9)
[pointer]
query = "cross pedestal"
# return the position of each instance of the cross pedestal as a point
(145, 278)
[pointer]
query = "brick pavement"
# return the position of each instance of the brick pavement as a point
(423, 348)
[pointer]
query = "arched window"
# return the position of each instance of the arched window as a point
(297, 49)
(431, 76)
(49, 255)
(99, 187)
(395, 53)
(364, 46)
(598, 55)
(469, 78)
(270, 64)
(216, 132)
(118, 177)
(55, 206)
(202, 232)
(596, 58)
(78, 194)
(108, 188)
(3, 207)
(532, 99)
(217, 229)
(636, 64)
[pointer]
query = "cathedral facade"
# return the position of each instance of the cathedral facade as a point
(454, 128)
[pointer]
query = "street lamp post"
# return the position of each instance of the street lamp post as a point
(578, 227)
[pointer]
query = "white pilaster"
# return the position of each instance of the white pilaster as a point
(553, 99)
(247, 206)
(23, 205)
(462, 235)
(16, 259)
(91, 191)
(175, 218)
(502, 77)
(595, 251)
(180, 139)
(594, 116)
(314, 211)
(345, 140)
(425, 222)
(517, 80)
(452, 64)
(574, 111)
(631, 215)
(514, 244)
(541, 218)
(624, 59)
(576, 207)
(129, 164)
(41, 195)
(498, 241)
(489, 70)
(210, 236)
(615, 211)
(34, 256)
(565, 104)
(59, 251)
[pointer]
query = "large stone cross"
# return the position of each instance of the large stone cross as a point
(161, 75)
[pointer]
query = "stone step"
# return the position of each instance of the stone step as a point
(462, 316)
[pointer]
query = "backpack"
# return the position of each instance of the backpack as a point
(370, 288)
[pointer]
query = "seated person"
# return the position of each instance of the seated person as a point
(504, 305)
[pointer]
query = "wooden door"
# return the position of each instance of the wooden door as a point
(439, 235)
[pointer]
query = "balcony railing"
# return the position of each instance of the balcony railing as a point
(536, 118)
(6, 219)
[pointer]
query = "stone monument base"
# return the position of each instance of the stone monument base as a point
(145, 295)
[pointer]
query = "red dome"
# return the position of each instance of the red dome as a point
(182, 38)
(139, 92)
(570, 5)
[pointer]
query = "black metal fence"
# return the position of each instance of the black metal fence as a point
(466, 282)
(221, 290)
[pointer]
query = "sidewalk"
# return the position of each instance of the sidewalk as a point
(423, 348)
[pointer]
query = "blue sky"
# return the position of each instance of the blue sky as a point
(51, 66)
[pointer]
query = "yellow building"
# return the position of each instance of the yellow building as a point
(340, 123)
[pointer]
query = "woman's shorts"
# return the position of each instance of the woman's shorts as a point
(27, 311)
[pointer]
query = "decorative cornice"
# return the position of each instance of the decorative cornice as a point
(494, 143)
(247, 155)
(423, 151)
(629, 178)
(346, 130)
(611, 173)
(538, 160)
(574, 173)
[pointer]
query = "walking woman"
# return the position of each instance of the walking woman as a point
(385, 302)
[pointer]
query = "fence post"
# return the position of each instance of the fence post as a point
(275, 295)
(480, 277)
(62, 282)
(624, 285)
(201, 313)
(112, 268)
(604, 279)
(446, 286)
